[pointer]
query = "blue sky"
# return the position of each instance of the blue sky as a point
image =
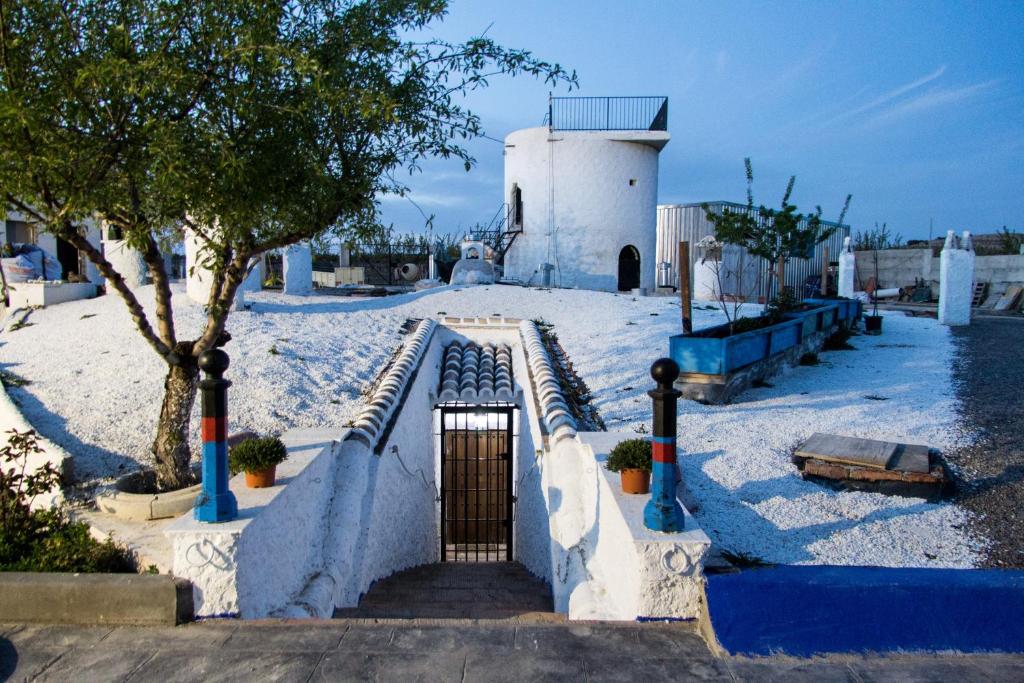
(916, 108)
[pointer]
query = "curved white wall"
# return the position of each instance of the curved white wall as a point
(583, 180)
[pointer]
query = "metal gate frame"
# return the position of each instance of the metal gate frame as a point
(509, 412)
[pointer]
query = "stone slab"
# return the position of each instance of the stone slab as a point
(847, 450)
(94, 598)
(911, 458)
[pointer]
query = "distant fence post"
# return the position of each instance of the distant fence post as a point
(216, 503)
(684, 287)
(663, 512)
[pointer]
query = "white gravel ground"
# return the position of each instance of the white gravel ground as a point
(96, 390)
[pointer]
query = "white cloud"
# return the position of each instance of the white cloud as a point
(424, 199)
(930, 99)
(902, 90)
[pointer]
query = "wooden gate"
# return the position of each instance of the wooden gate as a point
(476, 484)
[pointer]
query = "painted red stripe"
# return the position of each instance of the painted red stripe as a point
(214, 429)
(663, 452)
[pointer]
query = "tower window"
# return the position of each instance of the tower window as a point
(516, 207)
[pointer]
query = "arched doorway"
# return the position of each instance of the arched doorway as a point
(629, 268)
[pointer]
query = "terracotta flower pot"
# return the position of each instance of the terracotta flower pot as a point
(635, 481)
(262, 479)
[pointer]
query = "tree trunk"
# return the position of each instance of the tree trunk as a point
(171, 447)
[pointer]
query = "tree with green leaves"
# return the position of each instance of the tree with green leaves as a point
(255, 125)
(776, 235)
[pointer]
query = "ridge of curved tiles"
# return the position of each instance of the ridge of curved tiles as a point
(473, 373)
(554, 410)
(370, 423)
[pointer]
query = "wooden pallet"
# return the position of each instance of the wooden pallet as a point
(979, 293)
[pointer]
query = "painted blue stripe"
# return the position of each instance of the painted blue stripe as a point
(804, 610)
(663, 439)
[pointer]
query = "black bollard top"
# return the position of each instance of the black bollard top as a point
(214, 362)
(664, 371)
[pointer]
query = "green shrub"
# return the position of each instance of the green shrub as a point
(48, 541)
(256, 455)
(45, 540)
(749, 324)
(632, 454)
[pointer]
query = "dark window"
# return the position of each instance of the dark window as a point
(19, 232)
(517, 206)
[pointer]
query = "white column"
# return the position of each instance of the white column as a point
(298, 269)
(253, 282)
(95, 237)
(125, 260)
(198, 280)
(956, 280)
(847, 264)
(431, 266)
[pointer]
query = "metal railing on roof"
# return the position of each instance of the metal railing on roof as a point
(608, 113)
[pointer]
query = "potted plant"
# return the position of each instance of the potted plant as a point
(632, 460)
(259, 459)
(873, 322)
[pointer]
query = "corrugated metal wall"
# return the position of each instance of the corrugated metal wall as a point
(688, 223)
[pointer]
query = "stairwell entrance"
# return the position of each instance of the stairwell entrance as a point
(476, 483)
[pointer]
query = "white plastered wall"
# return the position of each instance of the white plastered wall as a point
(582, 180)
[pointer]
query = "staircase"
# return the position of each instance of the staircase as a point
(498, 234)
(458, 590)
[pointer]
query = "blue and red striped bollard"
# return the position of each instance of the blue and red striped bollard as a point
(216, 503)
(663, 511)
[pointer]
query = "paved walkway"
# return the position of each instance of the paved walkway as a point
(459, 590)
(989, 376)
(494, 651)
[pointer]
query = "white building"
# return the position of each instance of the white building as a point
(582, 194)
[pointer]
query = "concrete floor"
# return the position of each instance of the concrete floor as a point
(484, 651)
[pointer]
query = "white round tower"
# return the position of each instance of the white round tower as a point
(586, 202)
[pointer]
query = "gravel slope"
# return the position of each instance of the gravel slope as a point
(96, 391)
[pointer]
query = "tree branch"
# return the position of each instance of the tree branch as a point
(115, 280)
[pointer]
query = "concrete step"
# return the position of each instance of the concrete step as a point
(458, 590)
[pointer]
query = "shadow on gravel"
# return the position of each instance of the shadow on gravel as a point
(8, 659)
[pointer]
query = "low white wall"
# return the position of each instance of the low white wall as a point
(253, 565)
(383, 519)
(382, 516)
(26, 294)
(11, 418)
(899, 267)
(610, 566)
(344, 517)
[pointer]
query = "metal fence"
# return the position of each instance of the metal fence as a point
(608, 113)
(391, 264)
(688, 223)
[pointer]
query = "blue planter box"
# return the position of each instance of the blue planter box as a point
(709, 354)
(713, 352)
(847, 309)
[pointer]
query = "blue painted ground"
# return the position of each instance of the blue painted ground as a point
(803, 610)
